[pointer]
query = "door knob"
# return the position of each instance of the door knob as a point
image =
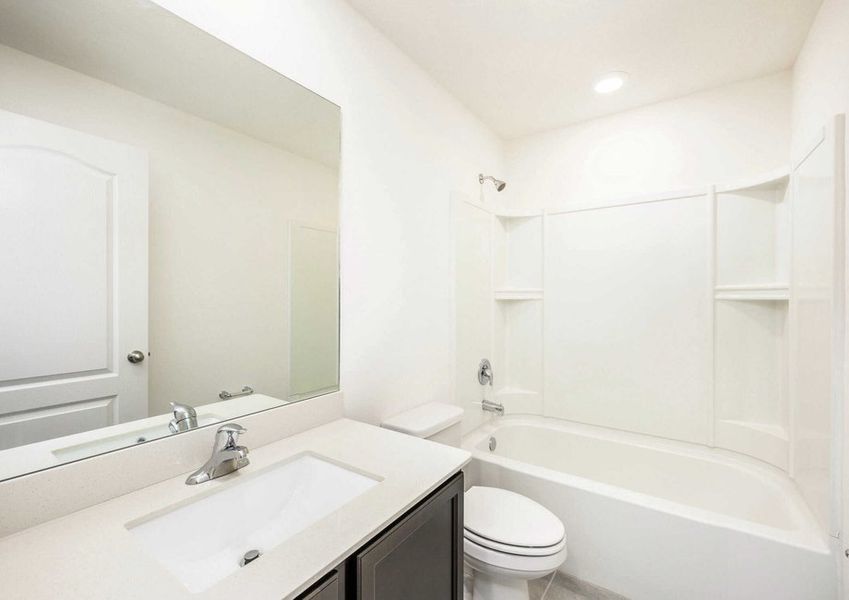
(136, 356)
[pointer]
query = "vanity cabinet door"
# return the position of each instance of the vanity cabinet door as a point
(329, 588)
(420, 557)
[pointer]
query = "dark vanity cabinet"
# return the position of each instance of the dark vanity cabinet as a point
(331, 587)
(419, 557)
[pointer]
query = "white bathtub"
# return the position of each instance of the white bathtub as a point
(654, 519)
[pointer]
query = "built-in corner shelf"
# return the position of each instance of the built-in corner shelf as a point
(518, 213)
(777, 178)
(513, 294)
(776, 431)
(517, 293)
(761, 292)
(752, 252)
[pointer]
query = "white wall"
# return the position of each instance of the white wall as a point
(406, 143)
(220, 204)
(717, 135)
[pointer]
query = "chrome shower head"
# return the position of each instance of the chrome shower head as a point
(499, 185)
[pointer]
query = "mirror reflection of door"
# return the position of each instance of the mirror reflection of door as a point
(73, 253)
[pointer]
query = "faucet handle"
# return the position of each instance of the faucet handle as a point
(228, 435)
(232, 428)
(485, 376)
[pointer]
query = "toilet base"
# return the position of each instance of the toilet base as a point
(492, 586)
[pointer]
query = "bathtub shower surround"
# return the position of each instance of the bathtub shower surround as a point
(709, 318)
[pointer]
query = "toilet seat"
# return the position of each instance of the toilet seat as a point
(511, 549)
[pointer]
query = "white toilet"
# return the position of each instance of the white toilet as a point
(508, 538)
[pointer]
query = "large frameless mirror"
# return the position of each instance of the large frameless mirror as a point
(168, 231)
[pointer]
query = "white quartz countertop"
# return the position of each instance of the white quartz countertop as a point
(91, 554)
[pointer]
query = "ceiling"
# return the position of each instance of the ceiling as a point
(525, 66)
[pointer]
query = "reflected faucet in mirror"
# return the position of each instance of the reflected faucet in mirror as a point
(185, 418)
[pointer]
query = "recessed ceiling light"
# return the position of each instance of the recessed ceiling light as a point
(610, 82)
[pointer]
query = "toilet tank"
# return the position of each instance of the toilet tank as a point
(433, 421)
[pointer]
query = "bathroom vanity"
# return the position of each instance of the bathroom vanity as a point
(340, 510)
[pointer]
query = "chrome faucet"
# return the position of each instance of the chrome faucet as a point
(185, 418)
(226, 457)
(493, 407)
(486, 377)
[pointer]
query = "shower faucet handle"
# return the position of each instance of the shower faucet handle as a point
(485, 376)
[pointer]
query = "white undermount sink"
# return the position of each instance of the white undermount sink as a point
(203, 542)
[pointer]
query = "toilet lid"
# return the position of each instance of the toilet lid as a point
(511, 519)
(425, 420)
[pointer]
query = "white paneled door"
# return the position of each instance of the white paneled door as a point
(73, 281)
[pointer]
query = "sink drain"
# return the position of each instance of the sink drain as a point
(249, 557)
(493, 444)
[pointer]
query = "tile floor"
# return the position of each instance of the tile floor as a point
(562, 587)
(554, 587)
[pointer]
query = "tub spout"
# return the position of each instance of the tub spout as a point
(493, 407)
